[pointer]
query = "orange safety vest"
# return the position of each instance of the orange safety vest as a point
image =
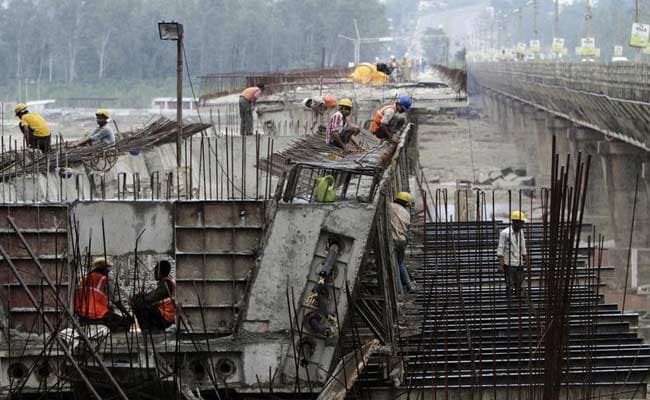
(329, 101)
(376, 121)
(167, 306)
(90, 299)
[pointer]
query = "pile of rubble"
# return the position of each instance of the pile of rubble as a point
(507, 178)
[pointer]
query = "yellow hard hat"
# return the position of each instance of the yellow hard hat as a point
(345, 103)
(102, 113)
(20, 107)
(404, 197)
(518, 216)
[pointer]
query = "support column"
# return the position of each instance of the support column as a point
(584, 140)
(621, 163)
(542, 148)
(559, 127)
(526, 135)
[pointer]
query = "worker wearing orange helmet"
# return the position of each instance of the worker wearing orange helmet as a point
(34, 128)
(512, 254)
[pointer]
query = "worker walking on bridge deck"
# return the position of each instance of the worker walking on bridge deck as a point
(400, 220)
(512, 254)
(156, 310)
(247, 102)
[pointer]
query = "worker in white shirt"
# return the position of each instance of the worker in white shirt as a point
(512, 254)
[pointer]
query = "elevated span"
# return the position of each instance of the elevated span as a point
(612, 99)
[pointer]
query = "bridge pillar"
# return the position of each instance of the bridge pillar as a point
(621, 163)
(524, 133)
(584, 140)
(491, 107)
(542, 148)
(559, 127)
(502, 113)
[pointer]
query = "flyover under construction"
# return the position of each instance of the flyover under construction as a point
(284, 296)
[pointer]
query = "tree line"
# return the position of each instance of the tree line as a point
(71, 41)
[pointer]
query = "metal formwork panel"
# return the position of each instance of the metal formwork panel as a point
(216, 246)
(45, 229)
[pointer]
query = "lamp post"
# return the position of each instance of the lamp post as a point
(174, 31)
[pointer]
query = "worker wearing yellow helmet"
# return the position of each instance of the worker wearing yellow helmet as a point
(103, 134)
(339, 131)
(34, 128)
(400, 220)
(512, 254)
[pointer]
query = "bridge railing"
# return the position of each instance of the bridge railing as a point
(629, 81)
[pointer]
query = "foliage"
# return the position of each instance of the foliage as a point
(50, 43)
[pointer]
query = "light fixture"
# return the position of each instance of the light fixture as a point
(170, 30)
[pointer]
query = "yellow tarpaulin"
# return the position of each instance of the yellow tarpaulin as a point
(367, 73)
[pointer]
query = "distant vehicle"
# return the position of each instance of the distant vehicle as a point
(169, 103)
(619, 59)
(588, 60)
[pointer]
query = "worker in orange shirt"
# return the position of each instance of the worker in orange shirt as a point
(95, 297)
(387, 121)
(247, 101)
(319, 106)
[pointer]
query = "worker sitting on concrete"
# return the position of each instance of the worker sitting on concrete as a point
(319, 106)
(247, 101)
(156, 310)
(387, 120)
(34, 128)
(103, 134)
(512, 254)
(400, 219)
(95, 297)
(339, 131)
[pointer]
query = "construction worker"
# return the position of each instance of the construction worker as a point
(156, 310)
(95, 297)
(387, 122)
(34, 128)
(319, 106)
(394, 69)
(405, 68)
(512, 253)
(103, 134)
(247, 101)
(339, 132)
(400, 219)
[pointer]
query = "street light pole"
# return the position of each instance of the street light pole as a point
(179, 97)
(174, 31)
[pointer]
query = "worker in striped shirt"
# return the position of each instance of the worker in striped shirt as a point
(339, 132)
(247, 101)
